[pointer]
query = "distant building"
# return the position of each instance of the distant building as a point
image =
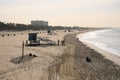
(39, 23)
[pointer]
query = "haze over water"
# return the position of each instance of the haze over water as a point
(107, 40)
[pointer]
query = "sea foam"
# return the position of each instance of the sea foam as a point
(107, 40)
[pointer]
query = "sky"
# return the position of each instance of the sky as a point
(84, 13)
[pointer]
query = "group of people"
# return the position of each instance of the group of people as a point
(62, 42)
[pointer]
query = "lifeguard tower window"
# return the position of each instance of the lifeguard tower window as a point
(33, 37)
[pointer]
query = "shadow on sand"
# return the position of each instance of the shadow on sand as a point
(41, 45)
(18, 60)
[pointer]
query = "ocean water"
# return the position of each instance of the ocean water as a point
(107, 40)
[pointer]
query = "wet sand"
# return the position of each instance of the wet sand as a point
(99, 69)
(112, 57)
(107, 55)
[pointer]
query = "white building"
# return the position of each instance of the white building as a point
(39, 23)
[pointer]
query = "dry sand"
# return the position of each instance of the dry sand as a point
(53, 62)
(29, 68)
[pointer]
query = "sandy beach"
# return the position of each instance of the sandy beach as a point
(53, 62)
(29, 68)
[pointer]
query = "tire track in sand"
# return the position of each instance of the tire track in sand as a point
(66, 70)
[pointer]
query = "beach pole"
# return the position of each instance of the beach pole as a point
(22, 49)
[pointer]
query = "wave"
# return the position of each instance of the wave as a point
(103, 39)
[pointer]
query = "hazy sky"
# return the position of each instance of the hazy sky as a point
(99, 13)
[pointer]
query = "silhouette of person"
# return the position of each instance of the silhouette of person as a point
(88, 59)
(58, 42)
(63, 42)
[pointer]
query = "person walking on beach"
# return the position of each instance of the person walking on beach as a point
(63, 42)
(58, 42)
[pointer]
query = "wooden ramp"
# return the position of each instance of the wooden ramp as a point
(48, 41)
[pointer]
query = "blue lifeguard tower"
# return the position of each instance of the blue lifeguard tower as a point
(33, 39)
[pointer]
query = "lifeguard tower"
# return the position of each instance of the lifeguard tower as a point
(33, 39)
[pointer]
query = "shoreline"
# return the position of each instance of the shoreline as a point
(107, 55)
(99, 68)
